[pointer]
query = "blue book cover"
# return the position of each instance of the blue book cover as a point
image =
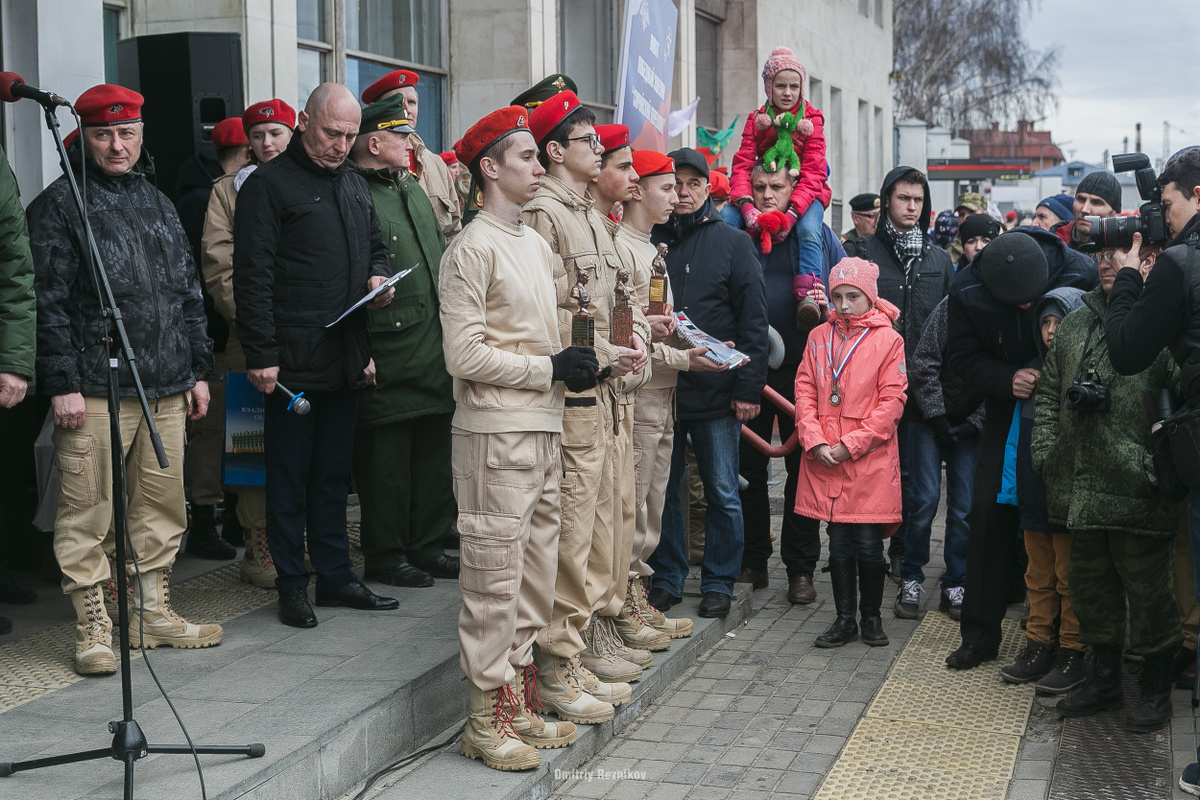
(245, 412)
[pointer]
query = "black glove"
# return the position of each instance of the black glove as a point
(941, 430)
(967, 430)
(576, 367)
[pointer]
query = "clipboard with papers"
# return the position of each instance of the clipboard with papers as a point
(371, 295)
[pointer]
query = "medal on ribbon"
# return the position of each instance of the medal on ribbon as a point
(835, 392)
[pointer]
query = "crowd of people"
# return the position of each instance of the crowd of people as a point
(526, 389)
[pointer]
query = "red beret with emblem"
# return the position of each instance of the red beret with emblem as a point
(229, 133)
(613, 137)
(489, 130)
(449, 158)
(545, 118)
(109, 104)
(269, 111)
(393, 80)
(647, 163)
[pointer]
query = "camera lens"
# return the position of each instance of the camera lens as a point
(1115, 231)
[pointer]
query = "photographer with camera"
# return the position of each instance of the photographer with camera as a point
(1090, 443)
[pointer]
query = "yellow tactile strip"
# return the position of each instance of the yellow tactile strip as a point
(37, 665)
(936, 732)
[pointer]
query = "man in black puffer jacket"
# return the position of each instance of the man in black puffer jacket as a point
(991, 338)
(914, 275)
(307, 246)
(716, 279)
(154, 282)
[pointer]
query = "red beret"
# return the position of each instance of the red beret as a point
(70, 138)
(648, 162)
(229, 133)
(613, 137)
(449, 158)
(719, 185)
(723, 170)
(489, 130)
(269, 111)
(108, 104)
(545, 118)
(1011, 215)
(393, 80)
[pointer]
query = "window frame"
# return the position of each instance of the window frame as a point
(615, 11)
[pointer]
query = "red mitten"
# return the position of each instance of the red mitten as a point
(789, 222)
(750, 217)
(801, 284)
(771, 223)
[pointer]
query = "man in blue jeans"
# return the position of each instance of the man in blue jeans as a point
(952, 417)
(714, 275)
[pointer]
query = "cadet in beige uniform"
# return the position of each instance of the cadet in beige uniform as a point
(502, 347)
(563, 213)
(430, 170)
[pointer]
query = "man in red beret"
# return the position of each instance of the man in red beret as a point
(504, 349)
(267, 126)
(205, 437)
(564, 214)
(431, 172)
(149, 265)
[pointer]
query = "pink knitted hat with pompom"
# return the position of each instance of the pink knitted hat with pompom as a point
(782, 58)
(857, 272)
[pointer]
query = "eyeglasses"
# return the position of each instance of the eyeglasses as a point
(592, 139)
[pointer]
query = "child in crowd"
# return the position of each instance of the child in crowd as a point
(787, 133)
(850, 393)
(1052, 655)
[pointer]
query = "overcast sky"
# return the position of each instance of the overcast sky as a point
(1121, 63)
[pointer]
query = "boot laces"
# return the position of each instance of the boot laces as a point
(507, 704)
(93, 609)
(603, 639)
(532, 700)
(633, 606)
(955, 593)
(574, 673)
(264, 552)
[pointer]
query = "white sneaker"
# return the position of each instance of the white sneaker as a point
(908, 600)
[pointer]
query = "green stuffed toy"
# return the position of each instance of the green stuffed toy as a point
(782, 154)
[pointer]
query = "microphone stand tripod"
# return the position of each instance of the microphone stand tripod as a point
(129, 743)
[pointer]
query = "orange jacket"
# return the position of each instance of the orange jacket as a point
(872, 389)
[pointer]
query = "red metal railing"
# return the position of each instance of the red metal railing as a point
(766, 448)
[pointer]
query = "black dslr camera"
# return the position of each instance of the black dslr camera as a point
(1150, 221)
(1088, 396)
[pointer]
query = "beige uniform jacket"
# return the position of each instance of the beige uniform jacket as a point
(499, 323)
(434, 178)
(576, 232)
(667, 358)
(216, 246)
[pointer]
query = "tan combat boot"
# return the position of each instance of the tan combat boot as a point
(159, 625)
(108, 589)
(674, 627)
(607, 626)
(612, 693)
(257, 568)
(635, 630)
(560, 692)
(93, 633)
(600, 657)
(489, 733)
(536, 731)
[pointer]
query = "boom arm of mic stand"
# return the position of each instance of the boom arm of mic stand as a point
(108, 303)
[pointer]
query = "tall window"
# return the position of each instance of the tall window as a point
(587, 36)
(708, 71)
(864, 146)
(371, 38)
(878, 147)
(834, 150)
(114, 18)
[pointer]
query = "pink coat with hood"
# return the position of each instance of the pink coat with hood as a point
(873, 388)
(759, 136)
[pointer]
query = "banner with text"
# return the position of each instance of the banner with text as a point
(646, 69)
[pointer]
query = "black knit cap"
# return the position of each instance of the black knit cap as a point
(978, 225)
(1013, 268)
(1104, 185)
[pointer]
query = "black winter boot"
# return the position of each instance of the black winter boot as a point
(202, 538)
(845, 599)
(1155, 708)
(1102, 692)
(231, 529)
(871, 575)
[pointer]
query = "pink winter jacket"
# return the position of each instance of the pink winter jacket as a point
(865, 488)
(813, 183)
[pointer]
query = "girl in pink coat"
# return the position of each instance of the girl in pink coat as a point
(850, 393)
(787, 133)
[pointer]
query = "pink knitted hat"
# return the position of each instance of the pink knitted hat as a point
(857, 272)
(782, 58)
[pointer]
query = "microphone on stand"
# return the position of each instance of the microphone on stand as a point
(297, 404)
(13, 87)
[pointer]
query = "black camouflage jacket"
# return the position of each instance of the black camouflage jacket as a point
(149, 265)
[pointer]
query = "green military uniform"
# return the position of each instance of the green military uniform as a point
(18, 323)
(1095, 465)
(402, 446)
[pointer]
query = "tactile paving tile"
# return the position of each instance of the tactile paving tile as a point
(934, 732)
(37, 665)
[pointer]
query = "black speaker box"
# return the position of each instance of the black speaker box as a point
(191, 81)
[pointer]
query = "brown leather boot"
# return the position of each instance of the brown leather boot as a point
(757, 578)
(800, 589)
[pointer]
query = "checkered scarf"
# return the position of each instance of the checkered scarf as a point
(907, 245)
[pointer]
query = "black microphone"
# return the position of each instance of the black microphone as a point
(13, 87)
